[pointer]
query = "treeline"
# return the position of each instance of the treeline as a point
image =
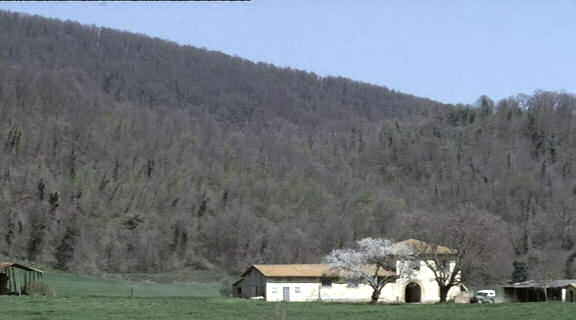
(122, 153)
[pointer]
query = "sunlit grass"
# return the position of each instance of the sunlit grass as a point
(91, 298)
(174, 308)
(71, 285)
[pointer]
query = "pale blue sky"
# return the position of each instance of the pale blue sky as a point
(452, 51)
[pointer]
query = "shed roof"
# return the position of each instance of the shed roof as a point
(4, 265)
(304, 270)
(422, 247)
(543, 284)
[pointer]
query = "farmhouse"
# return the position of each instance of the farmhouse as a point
(321, 282)
(545, 290)
(14, 278)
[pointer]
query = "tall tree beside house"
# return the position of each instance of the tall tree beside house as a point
(445, 264)
(371, 262)
(474, 244)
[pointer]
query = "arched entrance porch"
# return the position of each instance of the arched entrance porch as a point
(413, 293)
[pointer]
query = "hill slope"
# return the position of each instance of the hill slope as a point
(153, 72)
(124, 153)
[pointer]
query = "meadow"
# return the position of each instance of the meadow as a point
(175, 308)
(189, 285)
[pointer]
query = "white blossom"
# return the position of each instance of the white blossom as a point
(365, 263)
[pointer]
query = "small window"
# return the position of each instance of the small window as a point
(352, 284)
(297, 290)
(327, 283)
(274, 289)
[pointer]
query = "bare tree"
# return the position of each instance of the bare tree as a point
(475, 239)
(371, 263)
(445, 264)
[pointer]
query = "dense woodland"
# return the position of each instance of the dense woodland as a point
(123, 153)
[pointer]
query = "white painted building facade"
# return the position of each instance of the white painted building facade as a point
(318, 282)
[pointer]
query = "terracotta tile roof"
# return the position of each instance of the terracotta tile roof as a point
(421, 247)
(302, 270)
(4, 265)
(324, 270)
(296, 270)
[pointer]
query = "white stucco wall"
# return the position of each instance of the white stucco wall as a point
(308, 289)
(312, 290)
(343, 292)
(423, 277)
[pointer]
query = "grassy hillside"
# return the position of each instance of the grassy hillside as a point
(69, 285)
(219, 308)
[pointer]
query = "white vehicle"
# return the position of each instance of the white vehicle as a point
(484, 296)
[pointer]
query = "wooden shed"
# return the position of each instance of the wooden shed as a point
(542, 290)
(15, 277)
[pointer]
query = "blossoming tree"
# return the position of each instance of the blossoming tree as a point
(372, 262)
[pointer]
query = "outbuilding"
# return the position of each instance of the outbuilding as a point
(541, 290)
(15, 278)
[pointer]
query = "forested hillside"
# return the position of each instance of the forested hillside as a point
(153, 72)
(125, 153)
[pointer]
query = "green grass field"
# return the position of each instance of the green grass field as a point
(69, 285)
(90, 298)
(175, 308)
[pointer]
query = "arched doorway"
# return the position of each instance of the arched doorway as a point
(413, 293)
